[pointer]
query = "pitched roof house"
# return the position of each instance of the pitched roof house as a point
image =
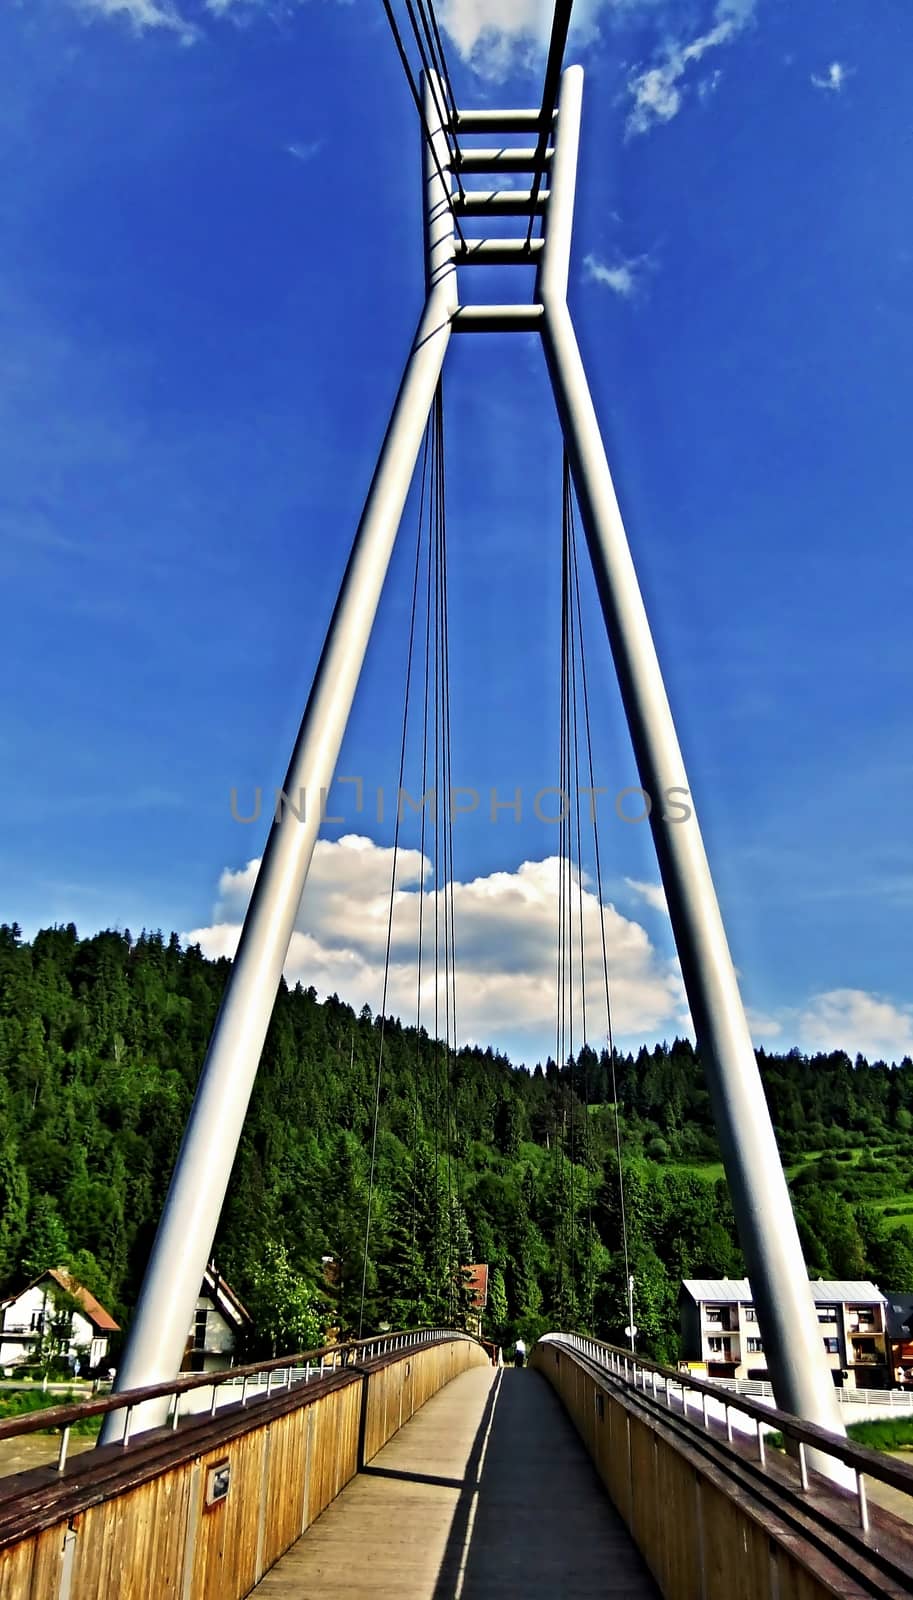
(221, 1322)
(81, 1331)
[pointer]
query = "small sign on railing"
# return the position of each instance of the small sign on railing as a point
(217, 1481)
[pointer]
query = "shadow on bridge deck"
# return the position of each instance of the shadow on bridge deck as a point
(486, 1493)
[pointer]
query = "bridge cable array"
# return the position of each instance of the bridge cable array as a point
(436, 922)
(571, 941)
(561, 21)
(437, 54)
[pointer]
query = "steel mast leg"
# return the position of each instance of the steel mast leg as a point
(767, 1230)
(164, 1313)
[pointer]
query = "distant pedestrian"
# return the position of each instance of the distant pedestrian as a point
(519, 1353)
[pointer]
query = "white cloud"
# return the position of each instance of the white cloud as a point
(499, 37)
(762, 1026)
(653, 894)
(143, 15)
(857, 1022)
(306, 151)
(505, 930)
(709, 85)
(657, 91)
(834, 78)
(624, 278)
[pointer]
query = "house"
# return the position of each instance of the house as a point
(475, 1282)
(720, 1330)
(54, 1315)
(900, 1336)
(220, 1325)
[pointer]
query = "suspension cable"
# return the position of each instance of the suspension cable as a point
(396, 832)
(445, 72)
(561, 21)
(447, 850)
(434, 64)
(569, 498)
(410, 79)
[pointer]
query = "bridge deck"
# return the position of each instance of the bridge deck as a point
(486, 1492)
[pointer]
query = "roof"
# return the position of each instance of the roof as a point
(215, 1287)
(899, 1315)
(92, 1308)
(729, 1291)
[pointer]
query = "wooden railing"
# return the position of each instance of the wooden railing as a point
(715, 1512)
(200, 1509)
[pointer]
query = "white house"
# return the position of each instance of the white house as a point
(720, 1332)
(56, 1304)
(219, 1325)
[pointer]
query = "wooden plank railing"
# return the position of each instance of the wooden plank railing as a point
(714, 1513)
(203, 1509)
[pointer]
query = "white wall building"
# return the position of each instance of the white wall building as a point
(54, 1311)
(220, 1323)
(720, 1329)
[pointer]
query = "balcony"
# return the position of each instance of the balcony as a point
(720, 1321)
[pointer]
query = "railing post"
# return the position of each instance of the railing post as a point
(863, 1503)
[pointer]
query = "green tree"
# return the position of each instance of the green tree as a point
(285, 1308)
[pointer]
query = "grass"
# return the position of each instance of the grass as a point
(23, 1402)
(709, 1171)
(886, 1433)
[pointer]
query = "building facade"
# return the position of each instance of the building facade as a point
(900, 1336)
(221, 1324)
(54, 1316)
(721, 1335)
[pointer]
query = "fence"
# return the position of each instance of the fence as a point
(714, 1513)
(210, 1501)
(886, 1399)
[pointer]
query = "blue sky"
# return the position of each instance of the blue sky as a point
(209, 273)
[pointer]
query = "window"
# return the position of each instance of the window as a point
(714, 1314)
(199, 1331)
(755, 1345)
(715, 1345)
(827, 1314)
(832, 1346)
(749, 1314)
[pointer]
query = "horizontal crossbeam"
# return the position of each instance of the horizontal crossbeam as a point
(498, 160)
(500, 203)
(497, 319)
(498, 252)
(499, 121)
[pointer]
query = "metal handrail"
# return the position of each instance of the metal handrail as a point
(345, 1357)
(625, 1366)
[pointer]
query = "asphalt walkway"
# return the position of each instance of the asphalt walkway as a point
(487, 1494)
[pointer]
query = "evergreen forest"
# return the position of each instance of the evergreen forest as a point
(101, 1041)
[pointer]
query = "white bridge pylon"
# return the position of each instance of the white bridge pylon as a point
(767, 1230)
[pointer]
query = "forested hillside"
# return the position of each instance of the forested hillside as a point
(101, 1040)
